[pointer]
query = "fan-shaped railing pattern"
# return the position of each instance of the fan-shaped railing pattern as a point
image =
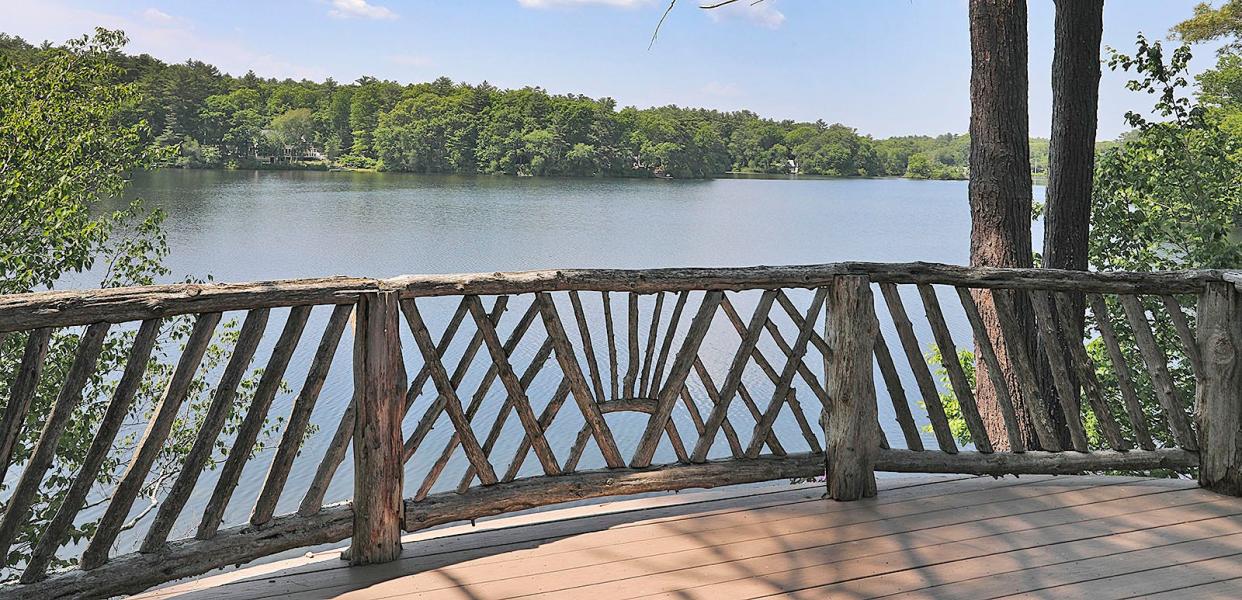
(529, 389)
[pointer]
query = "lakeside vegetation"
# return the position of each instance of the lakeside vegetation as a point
(216, 120)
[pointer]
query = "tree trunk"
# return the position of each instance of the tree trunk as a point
(1079, 25)
(1000, 180)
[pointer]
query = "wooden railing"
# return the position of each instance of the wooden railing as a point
(657, 380)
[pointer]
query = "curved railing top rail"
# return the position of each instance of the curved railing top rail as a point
(65, 308)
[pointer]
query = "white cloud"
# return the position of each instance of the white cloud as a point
(347, 9)
(156, 15)
(763, 13)
(562, 3)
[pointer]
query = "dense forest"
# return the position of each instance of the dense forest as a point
(218, 120)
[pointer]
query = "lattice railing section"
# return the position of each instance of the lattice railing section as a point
(154, 433)
(664, 356)
(1095, 407)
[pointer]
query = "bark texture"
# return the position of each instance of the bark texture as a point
(1000, 178)
(1078, 27)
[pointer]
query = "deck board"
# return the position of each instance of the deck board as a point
(1033, 537)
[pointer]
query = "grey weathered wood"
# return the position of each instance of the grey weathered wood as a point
(800, 276)
(674, 320)
(452, 404)
(122, 304)
(667, 395)
(136, 571)
(152, 442)
(534, 492)
(612, 345)
(546, 417)
(764, 365)
(749, 401)
(991, 364)
(713, 395)
(254, 421)
(428, 420)
(299, 417)
(782, 299)
(631, 371)
(213, 421)
(918, 366)
(1085, 368)
(897, 394)
(1184, 333)
(588, 348)
(493, 436)
(733, 379)
(17, 506)
(20, 312)
(850, 438)
(109, 425)
(808, 376)
(312, 501)
(953, 366)
(1035, 462)
(515, 389)
(1024, 367)
(652, 337)
(1218, 402)
(784, 383)
(379, 378)
(1158, 367)
(21, 394)
(1067, 391)
(1134, 409)
(446, 339)
(577, 448)
(565, 357)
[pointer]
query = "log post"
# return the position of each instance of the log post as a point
(1218, 398)
(379, 382)
(851, 435)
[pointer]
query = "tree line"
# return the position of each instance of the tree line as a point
(218, 120)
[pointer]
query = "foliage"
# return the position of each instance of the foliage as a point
(61, 146)
(1213, 23)
(1168, 197)
(952, 408)
(66, 142)
(217, 120)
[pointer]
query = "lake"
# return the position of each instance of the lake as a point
(242, 226)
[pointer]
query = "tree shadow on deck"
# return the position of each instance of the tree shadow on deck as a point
(974, 538)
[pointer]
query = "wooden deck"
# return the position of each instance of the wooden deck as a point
(926, 537)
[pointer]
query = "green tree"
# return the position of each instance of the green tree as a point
(64, 148)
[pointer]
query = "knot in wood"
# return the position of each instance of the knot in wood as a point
(1220, 348)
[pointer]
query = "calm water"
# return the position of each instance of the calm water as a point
(262, 225)
(240, 226)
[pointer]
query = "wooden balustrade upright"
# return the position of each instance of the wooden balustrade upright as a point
(748, 383)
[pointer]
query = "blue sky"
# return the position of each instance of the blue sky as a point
(886, 67)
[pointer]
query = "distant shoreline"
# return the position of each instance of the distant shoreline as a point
(324, 168)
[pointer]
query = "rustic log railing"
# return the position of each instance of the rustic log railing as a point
(659, 380)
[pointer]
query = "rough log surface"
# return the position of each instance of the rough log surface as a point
(379, 377)
(252, 423)
(134, 572)
(152, 442)
(850, 435)
(114, 418)
(522, 494)
(1035, 462)
(1217, 400)
(19, 312)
